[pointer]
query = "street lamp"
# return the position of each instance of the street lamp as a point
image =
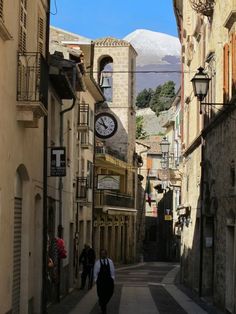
(165, 145)
(200, 83)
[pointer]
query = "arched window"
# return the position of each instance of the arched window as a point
(105, 76)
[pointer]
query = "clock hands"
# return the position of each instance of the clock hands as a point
(103, 123)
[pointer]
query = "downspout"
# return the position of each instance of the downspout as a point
(45, 181)
(201, 217)
(60, 228)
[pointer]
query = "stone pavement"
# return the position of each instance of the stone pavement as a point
(147, 288)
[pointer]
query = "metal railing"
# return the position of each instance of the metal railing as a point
(32, 77)
(108, 198)
(114, 153)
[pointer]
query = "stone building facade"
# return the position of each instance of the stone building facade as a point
(23, 95)
(207, 34)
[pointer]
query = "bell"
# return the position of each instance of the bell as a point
(105, 83)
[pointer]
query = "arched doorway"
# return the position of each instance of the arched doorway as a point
(20, 177)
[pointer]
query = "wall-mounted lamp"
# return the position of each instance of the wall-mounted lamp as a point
(200, 83)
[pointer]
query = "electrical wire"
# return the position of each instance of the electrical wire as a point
(141, 71)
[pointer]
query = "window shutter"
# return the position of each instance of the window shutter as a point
(233, 56)
(226, 73)
(149, 163)
(1, 10)
(23, 25)
(41, 35)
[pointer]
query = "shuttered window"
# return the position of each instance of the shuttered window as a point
(1, 10)
(23, 25)
(233, 62)
(226, 73)
(41, 35)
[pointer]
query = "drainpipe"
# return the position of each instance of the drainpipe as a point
(45, 182)
(201, 219)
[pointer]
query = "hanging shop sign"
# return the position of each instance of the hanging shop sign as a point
(58, 162)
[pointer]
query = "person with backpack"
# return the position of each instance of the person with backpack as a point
(104, 276)
(87, 259)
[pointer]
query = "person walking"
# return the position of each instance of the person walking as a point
(104, 276)
(87, 259)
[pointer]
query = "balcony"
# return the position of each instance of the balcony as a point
(108, 151)
(113, 199)
(205, 7)
(32, 88)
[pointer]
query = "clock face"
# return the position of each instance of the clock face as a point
(105, 125)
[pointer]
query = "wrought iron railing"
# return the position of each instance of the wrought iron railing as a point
(114, 153)
(32, 77)
(205, 7)
(109, 198)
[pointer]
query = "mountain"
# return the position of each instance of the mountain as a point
(156, 52)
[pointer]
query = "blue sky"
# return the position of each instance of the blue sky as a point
(117, 18)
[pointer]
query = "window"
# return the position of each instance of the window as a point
(23, 25)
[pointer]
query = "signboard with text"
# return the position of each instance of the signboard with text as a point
(58, 162)
(108, 182)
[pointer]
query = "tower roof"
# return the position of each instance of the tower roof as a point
(111, 41)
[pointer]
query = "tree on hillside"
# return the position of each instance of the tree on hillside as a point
(140, 133)
(155, 101)
(144, 97)
(163, 97)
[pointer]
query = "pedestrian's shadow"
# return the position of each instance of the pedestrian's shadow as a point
(113, 305)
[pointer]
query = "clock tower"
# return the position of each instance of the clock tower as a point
(114, 66)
